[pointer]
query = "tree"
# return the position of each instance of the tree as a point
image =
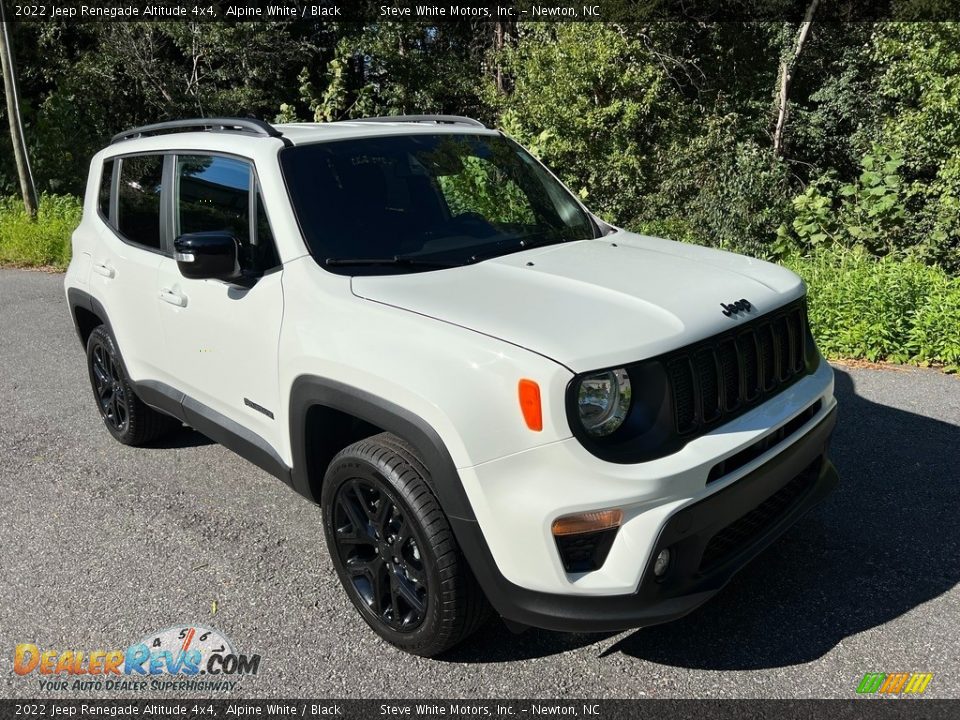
(786, 77)
(591, 100)
(27, 187)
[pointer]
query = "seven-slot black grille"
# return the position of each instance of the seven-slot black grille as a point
(731, 371)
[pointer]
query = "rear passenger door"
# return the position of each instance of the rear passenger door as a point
(127, 256)
(221, 338)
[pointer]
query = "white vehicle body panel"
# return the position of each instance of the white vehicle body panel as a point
(329, 333)
(211, 352)
(595, 303)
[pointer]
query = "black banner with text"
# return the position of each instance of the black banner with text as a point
(475, 10)
(494, 709)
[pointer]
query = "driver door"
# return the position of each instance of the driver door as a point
(221, 338)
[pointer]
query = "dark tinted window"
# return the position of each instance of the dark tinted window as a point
(138, 199)
(439, 199)
(214, 195)
(267, 247)
(106, 179)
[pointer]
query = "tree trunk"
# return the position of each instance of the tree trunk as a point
(786, 77)
(27, 187)
(502, 31)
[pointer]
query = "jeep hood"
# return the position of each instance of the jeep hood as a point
(593, 303)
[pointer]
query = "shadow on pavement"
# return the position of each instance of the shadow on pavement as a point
(885, 542)
(182, 437)
(494, 642)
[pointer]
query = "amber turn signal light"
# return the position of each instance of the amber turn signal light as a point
(529, 393)
(587, 522)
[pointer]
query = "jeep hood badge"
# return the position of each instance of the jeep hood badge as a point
(739, 306)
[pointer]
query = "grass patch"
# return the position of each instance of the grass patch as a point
(888, 309)
(43, 243)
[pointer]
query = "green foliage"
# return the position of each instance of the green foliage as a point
(938, 220)
(41, 243)
(918, 86)
(719, 190)
(834, 104)
(868, 212)
(608, 108)
(919, 89)
(82, 83)
(395, 68)
(591, 100)
(886, 309)
(662, 127)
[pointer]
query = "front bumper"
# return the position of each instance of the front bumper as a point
(710, 540)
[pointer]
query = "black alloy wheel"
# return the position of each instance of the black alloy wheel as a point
(124, 414)
(394, 551)
(108, 386)
(377, 547)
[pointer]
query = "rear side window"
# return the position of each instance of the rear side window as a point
(138, 199)
(216, 193)
(106, 182)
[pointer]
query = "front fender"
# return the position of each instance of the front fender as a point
(309, 391)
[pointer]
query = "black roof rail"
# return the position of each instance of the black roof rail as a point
(439, 119)
(241, 125)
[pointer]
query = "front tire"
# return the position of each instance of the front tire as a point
(124, 414)
(394, 551)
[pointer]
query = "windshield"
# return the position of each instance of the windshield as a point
(410, 203)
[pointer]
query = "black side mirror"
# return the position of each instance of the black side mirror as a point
(203, 255)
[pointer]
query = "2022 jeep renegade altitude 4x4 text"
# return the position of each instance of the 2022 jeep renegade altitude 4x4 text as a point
(499, 401)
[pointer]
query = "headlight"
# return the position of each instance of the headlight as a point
(603, 401)
(623, 415)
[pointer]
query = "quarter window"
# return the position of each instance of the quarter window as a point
(138, 199)
(106, 182)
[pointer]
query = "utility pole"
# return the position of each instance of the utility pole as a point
(24, 172)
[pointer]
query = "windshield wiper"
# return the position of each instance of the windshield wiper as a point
(524, 243)
(396, 260)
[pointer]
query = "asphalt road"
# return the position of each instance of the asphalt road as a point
(101, 544)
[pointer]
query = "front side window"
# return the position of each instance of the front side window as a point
(214, 194)
(138, 199)
(411, 202)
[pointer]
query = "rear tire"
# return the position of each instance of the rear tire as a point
(394, 551)
(125, 415)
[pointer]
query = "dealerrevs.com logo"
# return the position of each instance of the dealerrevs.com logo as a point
(188, 657)
(894, 683)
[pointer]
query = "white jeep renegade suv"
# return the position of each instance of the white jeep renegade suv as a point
(498, 399)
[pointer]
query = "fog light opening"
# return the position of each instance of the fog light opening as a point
(584, 540)
(662, 563)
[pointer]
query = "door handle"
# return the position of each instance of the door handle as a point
(174, 298)
(104, 269)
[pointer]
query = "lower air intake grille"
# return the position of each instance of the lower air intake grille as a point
(741, 533)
